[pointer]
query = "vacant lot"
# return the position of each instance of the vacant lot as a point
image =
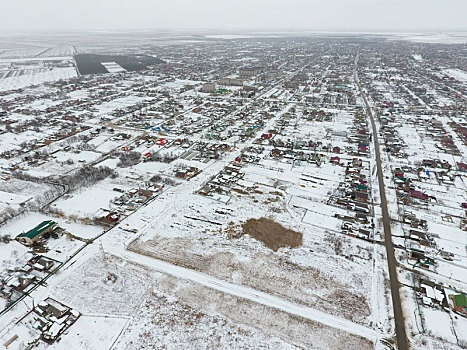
(166, 310)
(271, 273)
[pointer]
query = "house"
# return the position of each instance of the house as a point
(276, 153)
(462, 166)
(181, 174)
(205, 190)
(335, 160)
(459, 302)
(145, 193)
(41, 263)
(429, 163)
(53, 319)
(161, 142)
(112, 217)
(361, 196)
(357, 162)
(36, 233)
(419, 195)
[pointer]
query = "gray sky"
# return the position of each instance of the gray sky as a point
(352, 15)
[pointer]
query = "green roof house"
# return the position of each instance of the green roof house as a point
(34, 234)
(460, 302)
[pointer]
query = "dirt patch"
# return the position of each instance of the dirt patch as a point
(272, 234)
(240, 191)
(271, 200)
(276, 193)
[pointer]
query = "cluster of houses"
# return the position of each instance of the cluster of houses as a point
(433, 294)
(394, 144)
(52, 318)
(18, 282)
(296, 156)
(250, 154)
(186, 173)
(417, 182)
(205, 151)
(354, 194)
(360, 135)
(406, 190)
(420, 243)
(221, 185)
(46, 322)
(460, 129)
(126, 203)
(444, 140)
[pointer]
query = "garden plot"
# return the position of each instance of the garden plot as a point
(438, 324)
(457, 74)
(460, 327)
(106, 146)
(111, 163)
(12, 200)
(37, 77)
(319, 214)
(444, 224)
(11, 141)
(12, 255)
(106, 108)
(101, 333)
(79, 156)
(151, 168)
(305, 180)
(86, 202)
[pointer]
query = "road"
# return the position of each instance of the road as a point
(250, 294)
(399, 320)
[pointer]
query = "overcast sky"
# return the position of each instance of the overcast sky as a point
(352, 15)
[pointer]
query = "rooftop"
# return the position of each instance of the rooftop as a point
(44, 225)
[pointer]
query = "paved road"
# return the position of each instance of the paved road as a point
(401, 335)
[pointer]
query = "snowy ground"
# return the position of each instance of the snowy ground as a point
(36, 77)
(188, 274)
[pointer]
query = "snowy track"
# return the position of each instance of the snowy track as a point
(251, 294)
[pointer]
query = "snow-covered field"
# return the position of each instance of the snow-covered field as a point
(37, 77)
(439, 38)
(190, 316)
(457, 73)
(113, 67)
